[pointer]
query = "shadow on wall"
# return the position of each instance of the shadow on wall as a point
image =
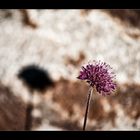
(35, 78)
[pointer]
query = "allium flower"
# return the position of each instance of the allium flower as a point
(99, 75)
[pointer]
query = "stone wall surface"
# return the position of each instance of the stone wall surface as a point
(60, 41)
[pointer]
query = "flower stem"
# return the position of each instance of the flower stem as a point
(87, 107)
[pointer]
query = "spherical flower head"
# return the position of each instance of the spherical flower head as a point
(99, 75)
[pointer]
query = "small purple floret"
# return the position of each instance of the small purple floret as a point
(99, 75)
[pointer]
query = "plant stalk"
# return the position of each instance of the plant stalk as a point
(87, 107)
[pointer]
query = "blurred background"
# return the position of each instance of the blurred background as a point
(41, 53)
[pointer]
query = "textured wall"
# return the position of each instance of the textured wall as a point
(60, 41)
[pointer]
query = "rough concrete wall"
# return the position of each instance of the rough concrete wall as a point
(61, 40)
(63, 34)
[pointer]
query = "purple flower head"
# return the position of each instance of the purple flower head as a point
(99, 75)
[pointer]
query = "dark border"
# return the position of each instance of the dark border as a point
(70, 4)
(72, 135)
